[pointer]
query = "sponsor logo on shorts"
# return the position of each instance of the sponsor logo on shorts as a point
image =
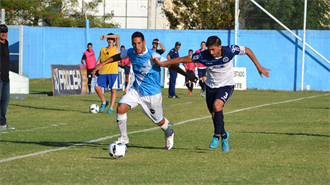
(152, 111)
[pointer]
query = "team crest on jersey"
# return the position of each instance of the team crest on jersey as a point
(226, 59)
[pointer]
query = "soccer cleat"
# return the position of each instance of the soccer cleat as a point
(110, 110)
(6, 126)
(215, 143)
(125, 90)
(169, 141)
(125, 142)
(103, 105)
(189, 92)
(91, 92)
(225, 144)
(202, 93)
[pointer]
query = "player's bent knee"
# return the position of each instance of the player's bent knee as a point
(122, 108)
(218, 104)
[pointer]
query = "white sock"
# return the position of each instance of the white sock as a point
(121, 122)
(166, 128)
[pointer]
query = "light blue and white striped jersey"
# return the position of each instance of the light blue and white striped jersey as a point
(146, 72)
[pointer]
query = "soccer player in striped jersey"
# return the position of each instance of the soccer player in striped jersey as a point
(145, 91)
(220, 80)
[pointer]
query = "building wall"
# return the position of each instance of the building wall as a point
(138, 14)
(277, 50)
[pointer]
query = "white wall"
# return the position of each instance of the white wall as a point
(18, 84)
(138, 14)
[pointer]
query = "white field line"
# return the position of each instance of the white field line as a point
(146, 130)
(181, 104)
(37, 128)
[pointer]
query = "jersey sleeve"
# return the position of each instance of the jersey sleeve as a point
(196, 57)
(123, 54)
(237, 50)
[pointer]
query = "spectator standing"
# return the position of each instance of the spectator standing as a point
(4, 81)
(89, 58)
(174, 53)
(155, 44)
(109, 74)
(126, 64)
(202, 72)
(190, 69)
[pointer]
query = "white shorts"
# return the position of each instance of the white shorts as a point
(151, 104)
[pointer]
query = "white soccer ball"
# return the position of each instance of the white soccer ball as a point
(117, 150)
(94, 108)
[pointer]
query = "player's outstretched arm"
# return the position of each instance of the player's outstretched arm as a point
(99, 66)
(177, 69)
(186, 59)
(261, 70)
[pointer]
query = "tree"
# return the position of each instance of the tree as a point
(60, 13)
(201, 14)
(289, 12)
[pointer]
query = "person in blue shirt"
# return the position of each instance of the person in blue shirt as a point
(145, 91)
(174, 53)
(220, 80)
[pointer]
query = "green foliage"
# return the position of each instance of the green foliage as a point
(289, 12)
(59, 13)
(202, 14)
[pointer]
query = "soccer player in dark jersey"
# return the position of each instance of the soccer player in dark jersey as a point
(220, 80)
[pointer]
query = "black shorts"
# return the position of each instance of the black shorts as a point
(201, 73)
(89, 71)
(222, 93)
(127, 69)
(189, 72)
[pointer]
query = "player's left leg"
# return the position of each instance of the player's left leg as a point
(113, 85)
(152, 107)
(128, 101)
(219, 97)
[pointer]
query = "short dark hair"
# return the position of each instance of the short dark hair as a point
(191, 50)
(122, 46)
(203, 42)
(89, 44)
(155, 40)
(114, 40)
(138, 34)
(213, 41)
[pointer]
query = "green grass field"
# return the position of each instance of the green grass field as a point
(276, 137)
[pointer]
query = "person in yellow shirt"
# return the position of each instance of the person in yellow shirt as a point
(109, 74)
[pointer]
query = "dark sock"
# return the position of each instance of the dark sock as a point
(126, 85)
(191, 86)
(219, 129)
(187, 85)
(203, 86)
(216, 136)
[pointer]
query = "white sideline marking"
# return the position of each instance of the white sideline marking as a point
(181, 104)
(37, 128)
(146, 130)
